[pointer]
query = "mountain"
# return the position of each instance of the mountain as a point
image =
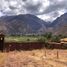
(59, 25)
(30, 24)
(22, 24)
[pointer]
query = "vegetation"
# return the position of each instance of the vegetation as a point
(2, 57)
(22, 38)
(34, 58)
(47, 37)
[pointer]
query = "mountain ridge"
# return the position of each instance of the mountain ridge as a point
(60, 24)
(31, 24)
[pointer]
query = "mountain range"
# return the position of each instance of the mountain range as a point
(30, 24)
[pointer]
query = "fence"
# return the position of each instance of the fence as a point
(56, 54)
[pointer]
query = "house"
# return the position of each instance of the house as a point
(63, 41)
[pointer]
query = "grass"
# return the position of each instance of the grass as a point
(36, 58)
(2, 58)
(20, 39)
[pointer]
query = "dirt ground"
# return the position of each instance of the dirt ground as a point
(35, 58)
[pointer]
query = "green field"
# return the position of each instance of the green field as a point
(21, 39)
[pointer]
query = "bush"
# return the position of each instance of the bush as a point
(42, 39)
(28, 39)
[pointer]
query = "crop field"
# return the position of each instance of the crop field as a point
(22, 38)
(34, 58)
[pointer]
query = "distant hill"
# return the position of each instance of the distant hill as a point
(22, 24)
(60, 25)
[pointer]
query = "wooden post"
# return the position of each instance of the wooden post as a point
(45, 53)
(1, 42)
(57, 54)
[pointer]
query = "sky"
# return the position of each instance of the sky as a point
(47, 10)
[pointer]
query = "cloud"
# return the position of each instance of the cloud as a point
(45, 9)
(27, 6)
(1, 14)
(33, 9)
(56, 5)
(52, 15)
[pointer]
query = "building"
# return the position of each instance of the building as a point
(63, 41)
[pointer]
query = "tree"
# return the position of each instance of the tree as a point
(48, 36)
(55, 38)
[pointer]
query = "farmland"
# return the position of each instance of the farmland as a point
(21, 39)
(32, 58)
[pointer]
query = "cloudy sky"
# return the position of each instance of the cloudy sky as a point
(45, 9)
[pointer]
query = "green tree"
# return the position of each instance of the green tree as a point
(55, 38)
(48, 36)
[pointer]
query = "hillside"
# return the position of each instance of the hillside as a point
(60, 25)
(22, 24)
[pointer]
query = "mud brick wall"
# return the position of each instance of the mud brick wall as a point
(31, 46)
(23, 46)
(56, 46)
